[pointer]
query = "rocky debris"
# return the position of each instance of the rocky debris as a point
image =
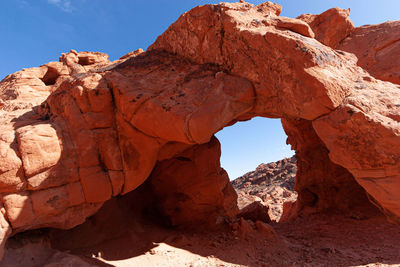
(280, 173)
(98, 129)
(38, 255)
(118, 235)
(270, 184)
(247, 229)
(267, 231)
(34, 249)
(246, 199)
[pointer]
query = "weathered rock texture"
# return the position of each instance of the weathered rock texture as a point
(377, 48)
(190, 180)
(330, 27)
(75, 133)
(270, 184)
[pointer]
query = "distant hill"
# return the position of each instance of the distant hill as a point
(270, 183)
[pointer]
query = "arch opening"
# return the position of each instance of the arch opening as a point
(247, 144)
(190, 187)
(260, 164)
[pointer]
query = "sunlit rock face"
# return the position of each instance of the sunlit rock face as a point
(77, 132)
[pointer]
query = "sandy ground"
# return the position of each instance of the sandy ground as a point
(114, 237)
(126, 232)
(313, 241)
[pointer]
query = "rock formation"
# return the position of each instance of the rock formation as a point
(77, 132)
(270, 184)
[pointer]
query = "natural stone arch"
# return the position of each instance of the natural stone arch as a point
(216, 65)
(342, 100)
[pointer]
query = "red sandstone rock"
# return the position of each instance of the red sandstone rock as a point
(267, 231)
(330, 27)
(255, 212)
(5, 230)
(377, 47)
(322, 65)
(245, 229)
(320, 183)
(192, 189)
(270, 184)
(100, 128)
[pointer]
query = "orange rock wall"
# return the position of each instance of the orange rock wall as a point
(321, 184)
(192, 189)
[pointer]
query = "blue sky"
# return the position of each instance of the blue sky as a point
(33, 32)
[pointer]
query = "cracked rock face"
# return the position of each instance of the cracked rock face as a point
(77, 132)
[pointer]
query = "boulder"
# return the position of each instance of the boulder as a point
(255, 211)
(331, 26)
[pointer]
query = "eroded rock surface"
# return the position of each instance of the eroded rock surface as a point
(377, 48)
(331, 26)
(270, 184)
(77, 132)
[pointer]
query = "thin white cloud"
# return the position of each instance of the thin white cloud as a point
(64, 5)
(23, 2)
